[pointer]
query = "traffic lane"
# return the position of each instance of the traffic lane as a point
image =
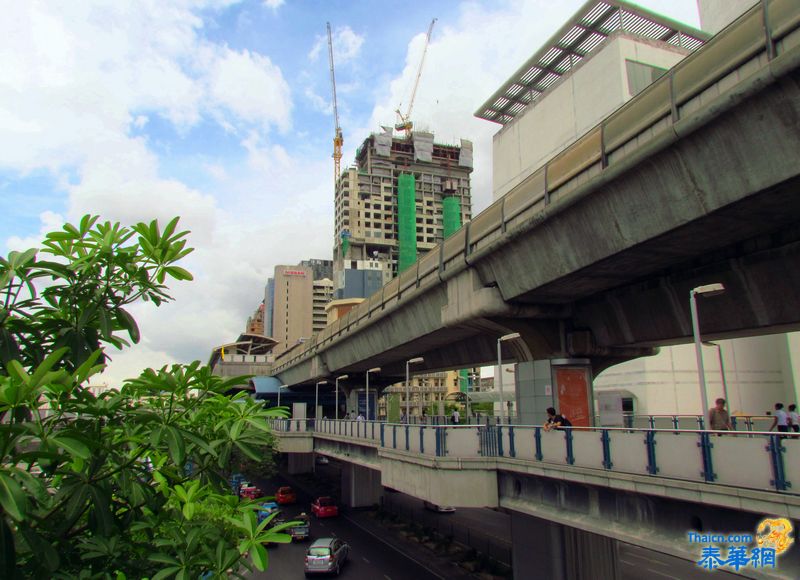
(482, 520)
(636, 563)
(370, 558)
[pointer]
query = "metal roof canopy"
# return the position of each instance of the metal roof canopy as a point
(593, 23)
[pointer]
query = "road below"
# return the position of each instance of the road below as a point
(370, 558)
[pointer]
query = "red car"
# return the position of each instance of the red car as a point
(285, 495)
(324, 507)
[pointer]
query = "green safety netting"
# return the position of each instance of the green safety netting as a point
(406, 220)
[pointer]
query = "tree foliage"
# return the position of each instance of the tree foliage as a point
(132, 482)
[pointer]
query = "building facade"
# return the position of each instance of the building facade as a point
(322, 294)
(293, 309)
(390, 207)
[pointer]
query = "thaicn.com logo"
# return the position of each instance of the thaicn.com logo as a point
(735, 551)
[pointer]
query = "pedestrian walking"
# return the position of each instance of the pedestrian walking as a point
(456, 417)
(780, 420)
(794, 417)
(718, 418)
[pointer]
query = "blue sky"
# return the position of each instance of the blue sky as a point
(219, 111)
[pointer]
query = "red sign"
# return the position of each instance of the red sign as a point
(293, 273)
(573, 394)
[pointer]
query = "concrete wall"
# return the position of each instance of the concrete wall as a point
(590, 93)
(717, 14)
(759, 372)
(361, 486)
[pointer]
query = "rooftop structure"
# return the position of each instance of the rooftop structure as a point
(589, 27)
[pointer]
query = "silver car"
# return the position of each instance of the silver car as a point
(326, 555)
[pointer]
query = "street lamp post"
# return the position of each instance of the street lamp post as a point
(316, 399)
(340, 377)
(375, 370)
(707, 290)
(279, 393)
(512, 336)
(721, 370)
(412, 361)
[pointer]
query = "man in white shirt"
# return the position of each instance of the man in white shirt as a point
(795, 418)
(781, 419)
(456, 417)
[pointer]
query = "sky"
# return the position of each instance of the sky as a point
(219, 111)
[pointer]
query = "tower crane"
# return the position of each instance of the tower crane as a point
(338, 139)
(405, 123)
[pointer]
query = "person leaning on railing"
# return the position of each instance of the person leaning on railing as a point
(718, 418)
(555, 421)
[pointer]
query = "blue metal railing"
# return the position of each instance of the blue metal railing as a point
(773, 460)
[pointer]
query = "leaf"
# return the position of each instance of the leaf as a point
(166, 572)
(127, 322)
(179, 273)
(8, 554)
(259, 556)
(188, 510)
(42, 548)
(45, 366)
(12, 498)
(177, 447)
(72, 446)
(105, 323)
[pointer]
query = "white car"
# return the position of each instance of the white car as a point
(441, 509)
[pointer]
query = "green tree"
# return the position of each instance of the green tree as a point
(130, 483)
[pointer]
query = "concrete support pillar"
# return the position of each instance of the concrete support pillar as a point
(534, 391)
(300, 463)
(546, 549)
(537, 548)
(361, 486)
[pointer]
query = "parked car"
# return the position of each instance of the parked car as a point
(285, 495)
(326, 555)
(441, 509)
(248, 491)
(302, 530)
(324, 507)
(266, 509)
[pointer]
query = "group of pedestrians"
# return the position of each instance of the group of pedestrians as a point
(782, 421)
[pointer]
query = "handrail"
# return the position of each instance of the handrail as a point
(664, 98)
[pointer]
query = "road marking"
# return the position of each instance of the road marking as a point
(393, 547)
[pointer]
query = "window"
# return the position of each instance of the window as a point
(641, 76)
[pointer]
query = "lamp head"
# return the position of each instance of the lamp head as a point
(375, 370)
(416, 360)
(511, 336)
(709, 289)
(342, 377)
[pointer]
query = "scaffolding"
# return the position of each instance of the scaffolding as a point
(406, 221)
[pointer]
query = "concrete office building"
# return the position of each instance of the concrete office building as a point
(320, 268)
(293, 306)
(603, 56)
(391, 206)
(322, 294)
(269, 302)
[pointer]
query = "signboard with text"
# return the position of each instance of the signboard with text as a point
(573, 394)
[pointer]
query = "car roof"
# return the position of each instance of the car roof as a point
(322, 543)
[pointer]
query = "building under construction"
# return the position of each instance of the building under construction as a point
(401, 198)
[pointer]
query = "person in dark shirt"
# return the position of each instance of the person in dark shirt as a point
(554, 421)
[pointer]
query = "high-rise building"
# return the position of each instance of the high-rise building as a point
(255, 324)
(292, 319)
(321, 268)
(391, 207)
(323, 291)
(269, 302)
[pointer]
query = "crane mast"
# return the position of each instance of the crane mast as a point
(338, 139)
(405, 123)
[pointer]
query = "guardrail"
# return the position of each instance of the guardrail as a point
(754, 43)
(772, 460)
(665, 421)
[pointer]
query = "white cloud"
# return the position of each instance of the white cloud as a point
(346, 46)
(274, 4)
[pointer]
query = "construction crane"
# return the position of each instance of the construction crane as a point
(338, 139)
(405, 123)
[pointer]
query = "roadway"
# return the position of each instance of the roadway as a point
(370, 557)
